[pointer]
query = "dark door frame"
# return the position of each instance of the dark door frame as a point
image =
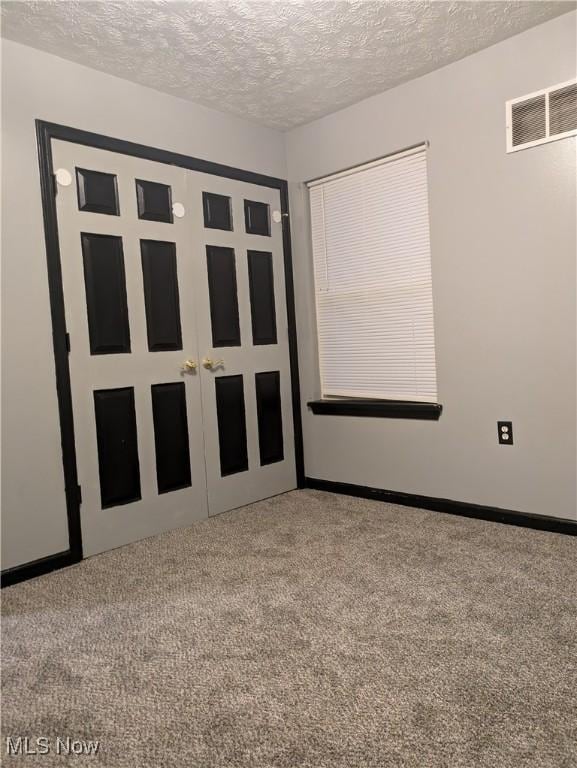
(45, 132)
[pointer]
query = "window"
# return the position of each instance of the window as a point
(372, 266)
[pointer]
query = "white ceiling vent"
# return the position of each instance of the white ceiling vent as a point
(542, 116)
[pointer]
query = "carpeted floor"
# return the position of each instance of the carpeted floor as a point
(307, 631)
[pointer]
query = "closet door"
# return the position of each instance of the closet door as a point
(128, 279)
(243, 341)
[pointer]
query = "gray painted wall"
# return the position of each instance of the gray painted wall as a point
(503, 236)
(37, 85)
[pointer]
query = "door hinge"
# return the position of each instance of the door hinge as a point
(54, 184)
(67, 342)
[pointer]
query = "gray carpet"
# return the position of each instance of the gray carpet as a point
(310, 630)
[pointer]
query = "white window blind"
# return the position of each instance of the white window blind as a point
(372, 266)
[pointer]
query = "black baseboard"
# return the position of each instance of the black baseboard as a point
(37, 568)
(464, 509)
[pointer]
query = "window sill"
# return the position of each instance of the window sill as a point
(380, 409)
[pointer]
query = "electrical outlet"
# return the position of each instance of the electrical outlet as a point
(505, 432)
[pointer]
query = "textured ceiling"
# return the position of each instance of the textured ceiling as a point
(280, 63)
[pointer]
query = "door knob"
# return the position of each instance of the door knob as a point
(189, 365)
(210, 364)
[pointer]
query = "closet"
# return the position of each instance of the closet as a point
(174, 293)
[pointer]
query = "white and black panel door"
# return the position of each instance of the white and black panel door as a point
(243, 341)
(128, 282)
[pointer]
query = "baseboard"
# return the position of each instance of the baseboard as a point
(37, 568)
(462, 508)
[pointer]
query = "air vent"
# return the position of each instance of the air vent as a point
(542, 116)
(529, 120)
(563, 110)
